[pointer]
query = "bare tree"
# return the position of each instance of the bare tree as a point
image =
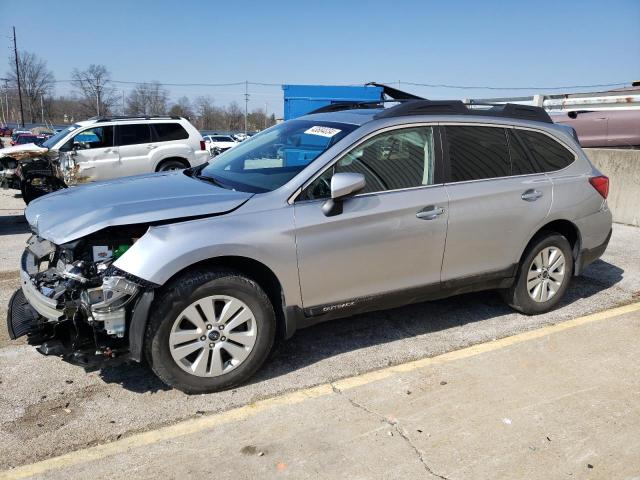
(209, 116)
(36, 79)
(235, 117)
(182, 108)
(94, 85)
(148, 99)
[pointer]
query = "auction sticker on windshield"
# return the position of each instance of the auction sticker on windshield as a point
(322, 131)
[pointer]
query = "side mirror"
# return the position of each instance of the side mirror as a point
(343, 185)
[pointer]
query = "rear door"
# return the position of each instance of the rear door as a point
(496, 200)
(135, 146)
(382, 242)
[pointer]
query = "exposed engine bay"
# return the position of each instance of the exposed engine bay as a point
(74, 303)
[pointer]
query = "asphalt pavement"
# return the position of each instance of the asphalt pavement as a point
(49, 408)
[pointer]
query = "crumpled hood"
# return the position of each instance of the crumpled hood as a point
(20, 152)
(75, 212)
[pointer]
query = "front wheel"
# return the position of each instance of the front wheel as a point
(35, 186)
(543, 275)
(209, 331)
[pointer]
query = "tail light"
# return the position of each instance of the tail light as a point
(202, 147)
(601, 184)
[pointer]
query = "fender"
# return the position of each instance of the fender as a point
(166, 250)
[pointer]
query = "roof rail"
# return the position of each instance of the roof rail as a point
(457, 107)
(135, 117)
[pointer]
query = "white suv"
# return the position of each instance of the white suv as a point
(106, 148)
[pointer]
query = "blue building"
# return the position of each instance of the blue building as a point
(301, 99)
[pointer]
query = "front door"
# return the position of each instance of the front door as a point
(94, 154)
(389, 239)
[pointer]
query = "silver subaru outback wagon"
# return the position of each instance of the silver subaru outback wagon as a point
(335, 213)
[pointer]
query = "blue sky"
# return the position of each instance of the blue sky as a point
(497, 43)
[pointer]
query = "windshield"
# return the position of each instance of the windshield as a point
(50, 142)
(271, 158)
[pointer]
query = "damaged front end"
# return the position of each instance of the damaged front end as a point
(73, 302)
(12, 159)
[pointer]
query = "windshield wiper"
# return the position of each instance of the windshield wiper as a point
(211, 180)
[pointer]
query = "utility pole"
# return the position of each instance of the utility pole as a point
(42, 107)
(15, 51)
(123, 109)
(246, 104)
(98, 96)
(266, 105)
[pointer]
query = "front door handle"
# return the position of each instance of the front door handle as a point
(531, 195)
(151, 147)
(430, 213)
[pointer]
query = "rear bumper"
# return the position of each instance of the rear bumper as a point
(590, 255)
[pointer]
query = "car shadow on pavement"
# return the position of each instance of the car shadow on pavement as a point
(13, 225)
(313, 344)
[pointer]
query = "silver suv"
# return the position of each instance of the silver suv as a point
(335, 213)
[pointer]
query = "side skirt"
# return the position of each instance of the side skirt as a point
(487, 281)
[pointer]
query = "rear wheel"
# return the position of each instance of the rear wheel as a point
(543, 275)
(209, 331)
(171, 164)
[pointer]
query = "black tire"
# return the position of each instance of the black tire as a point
(37, 186)
(172, 164)
(518, 296)
(182, 292)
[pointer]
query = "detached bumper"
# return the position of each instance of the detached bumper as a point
(45, 306)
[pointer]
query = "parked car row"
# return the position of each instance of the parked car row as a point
(335, 213)
(101, 149)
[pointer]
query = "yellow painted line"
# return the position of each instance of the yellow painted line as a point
(200, 424)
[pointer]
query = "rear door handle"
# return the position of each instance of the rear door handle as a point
(151, 147)
(430, 213)
(531, 195)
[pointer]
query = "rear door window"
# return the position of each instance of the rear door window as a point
(476, 153)
(166, 132)
(133, 134)
(547, 154)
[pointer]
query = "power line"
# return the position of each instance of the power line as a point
(399, 82)
(485, 87)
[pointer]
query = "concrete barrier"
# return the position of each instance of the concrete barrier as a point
(623, 169)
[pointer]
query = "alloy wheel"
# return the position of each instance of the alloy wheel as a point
(213, 336)
(546, 274)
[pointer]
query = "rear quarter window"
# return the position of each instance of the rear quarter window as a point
(166, 132)
(546, 153)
